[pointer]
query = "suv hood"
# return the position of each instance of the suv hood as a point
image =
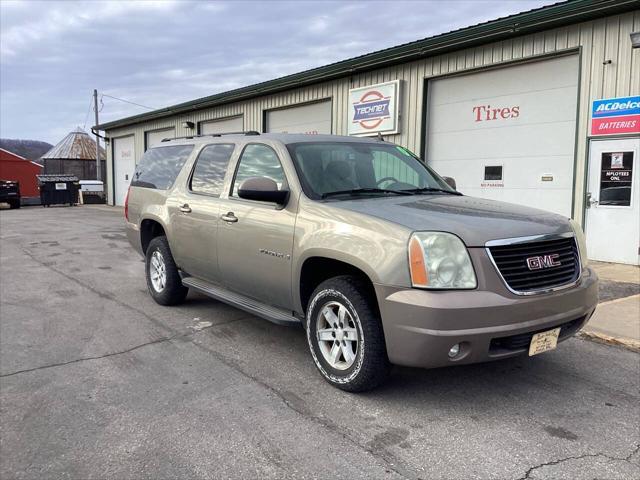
(474, 220)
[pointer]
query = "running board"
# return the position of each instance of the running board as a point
(273, 314)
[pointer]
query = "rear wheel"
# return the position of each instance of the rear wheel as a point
(345, 335)
(14, 204)
(163, 279)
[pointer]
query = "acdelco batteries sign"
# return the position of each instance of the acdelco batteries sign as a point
(613, 116)
(374, 109)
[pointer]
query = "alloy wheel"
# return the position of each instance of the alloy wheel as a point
(158, 271)
(337, 336)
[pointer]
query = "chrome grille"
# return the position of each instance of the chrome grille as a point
(511, 260)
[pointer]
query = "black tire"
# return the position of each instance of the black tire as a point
(371, 366)
(173, 292)
(14, 204)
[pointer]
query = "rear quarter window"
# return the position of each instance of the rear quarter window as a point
(159, 167)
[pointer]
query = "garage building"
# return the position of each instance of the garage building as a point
(540, 108)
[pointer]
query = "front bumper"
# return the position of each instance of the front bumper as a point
(421, 326)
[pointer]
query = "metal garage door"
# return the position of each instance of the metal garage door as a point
(312, 118)
(222, 125)
(509, 133)
(123, 166)
(155, 137)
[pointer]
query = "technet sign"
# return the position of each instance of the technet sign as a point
(612, 116)
(374, 109)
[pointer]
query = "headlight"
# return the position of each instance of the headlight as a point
(439, 260)
(581, 241)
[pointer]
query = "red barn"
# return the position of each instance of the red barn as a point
(15, 167)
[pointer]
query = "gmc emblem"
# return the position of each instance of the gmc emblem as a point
(543, 261)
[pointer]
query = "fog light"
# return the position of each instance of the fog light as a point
(454, 351)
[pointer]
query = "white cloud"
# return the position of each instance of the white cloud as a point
(319, 24)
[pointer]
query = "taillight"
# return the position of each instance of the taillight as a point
(126, 204)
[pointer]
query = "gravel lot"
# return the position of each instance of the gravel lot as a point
(97, 381)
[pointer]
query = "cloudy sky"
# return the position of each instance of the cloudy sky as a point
(158, 53)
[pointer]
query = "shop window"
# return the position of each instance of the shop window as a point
(616, 179)
(493, 172)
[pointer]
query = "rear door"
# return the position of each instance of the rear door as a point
(124, 155)
(255, 239)
(195, 211)
(612, 222)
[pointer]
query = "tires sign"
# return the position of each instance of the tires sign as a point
(374, 109)
(613, 116)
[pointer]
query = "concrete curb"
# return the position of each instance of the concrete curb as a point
(628, 343)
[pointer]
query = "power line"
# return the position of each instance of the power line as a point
(127, 101)
(86, 117)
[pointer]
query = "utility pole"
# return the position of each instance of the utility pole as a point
(98, 165)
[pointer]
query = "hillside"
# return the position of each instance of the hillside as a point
(30, 149)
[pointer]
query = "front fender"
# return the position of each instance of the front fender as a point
(375, 246)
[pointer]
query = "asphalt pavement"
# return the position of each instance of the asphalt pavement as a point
(97, 381)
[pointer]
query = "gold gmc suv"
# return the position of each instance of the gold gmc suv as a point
(379, 258)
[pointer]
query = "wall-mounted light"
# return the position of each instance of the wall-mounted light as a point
(635, 39)
(188, 124)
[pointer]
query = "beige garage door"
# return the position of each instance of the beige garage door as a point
(508, 133)
(222, 125)
(155, 137)
(311, 118)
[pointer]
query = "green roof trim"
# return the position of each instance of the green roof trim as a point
(544, 18)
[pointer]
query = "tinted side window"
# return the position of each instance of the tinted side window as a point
(210, 169)
(259, 161)
(159, 167)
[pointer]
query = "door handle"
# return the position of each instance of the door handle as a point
(229, 217)
(591, 201)
(185, 208)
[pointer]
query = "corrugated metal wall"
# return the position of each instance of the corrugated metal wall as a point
(598, 40)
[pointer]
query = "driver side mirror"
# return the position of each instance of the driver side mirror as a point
(262, 189)
(450, 181)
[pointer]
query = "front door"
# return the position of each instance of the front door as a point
(255, 239)
(612, 223)
(124, 165)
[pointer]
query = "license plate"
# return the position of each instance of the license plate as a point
(544, 341)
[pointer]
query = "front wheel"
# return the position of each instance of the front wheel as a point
(163, 279)
(345, 336)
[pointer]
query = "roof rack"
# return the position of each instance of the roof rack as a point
(189, 137)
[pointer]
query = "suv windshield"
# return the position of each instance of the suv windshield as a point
(328, 169)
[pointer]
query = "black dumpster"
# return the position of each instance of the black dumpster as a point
(58, 189)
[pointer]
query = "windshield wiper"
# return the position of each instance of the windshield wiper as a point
(358, 191)
(431, 189)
